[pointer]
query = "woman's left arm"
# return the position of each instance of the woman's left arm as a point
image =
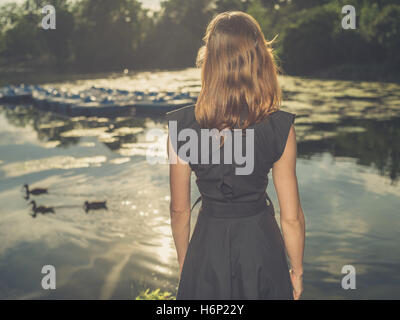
(179, 179)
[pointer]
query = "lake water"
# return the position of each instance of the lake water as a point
(348, 171)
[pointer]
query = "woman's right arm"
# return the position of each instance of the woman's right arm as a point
(291, 213)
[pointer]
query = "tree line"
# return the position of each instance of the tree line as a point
(104, 35)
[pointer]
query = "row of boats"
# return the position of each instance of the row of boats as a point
(95, 101)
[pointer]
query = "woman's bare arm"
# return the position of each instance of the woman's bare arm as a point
(179, 177)
(291, 212)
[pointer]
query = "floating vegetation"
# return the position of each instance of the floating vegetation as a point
(120, 160)
(20, 168)
(318, 135)
(351, 129)
(126, 131)
(85, 132)
(51, 124)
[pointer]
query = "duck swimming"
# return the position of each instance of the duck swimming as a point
(40, 209)
(95, 205)
(35, 192)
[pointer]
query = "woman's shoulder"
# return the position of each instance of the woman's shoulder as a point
(278, 119)
(282, 117)
(184, 116)
(275, 130)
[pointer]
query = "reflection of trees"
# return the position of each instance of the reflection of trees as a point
(18, 116)
(41, 122)
(377, 146)
(23, 116)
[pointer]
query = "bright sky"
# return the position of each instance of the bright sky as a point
(148, 4)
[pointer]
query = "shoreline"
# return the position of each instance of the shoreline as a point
(365, 73)
(40, 75)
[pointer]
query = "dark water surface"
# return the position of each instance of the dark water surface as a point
(348, 170)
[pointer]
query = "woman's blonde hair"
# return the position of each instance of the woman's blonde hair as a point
(238, 71)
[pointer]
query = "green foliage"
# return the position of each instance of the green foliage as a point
(380, 25)
(386, 27)
(59, 41)
(262, 15)
(22, 39)
(369, 12)
(101, 35)
(307, 43)
(231, 5)
(155, 295)
(175, 39)
(106, 33)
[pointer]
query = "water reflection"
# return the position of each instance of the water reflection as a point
(373, 142)
(348, 173)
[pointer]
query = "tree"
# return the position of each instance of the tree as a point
(177, 35)
(307, 44)
(385, 30)
(22, 41)
(231, 5)
(106, 33)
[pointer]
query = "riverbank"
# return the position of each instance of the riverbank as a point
(39, 74)
(369, 73)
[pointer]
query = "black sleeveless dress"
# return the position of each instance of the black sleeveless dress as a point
(236, 250)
